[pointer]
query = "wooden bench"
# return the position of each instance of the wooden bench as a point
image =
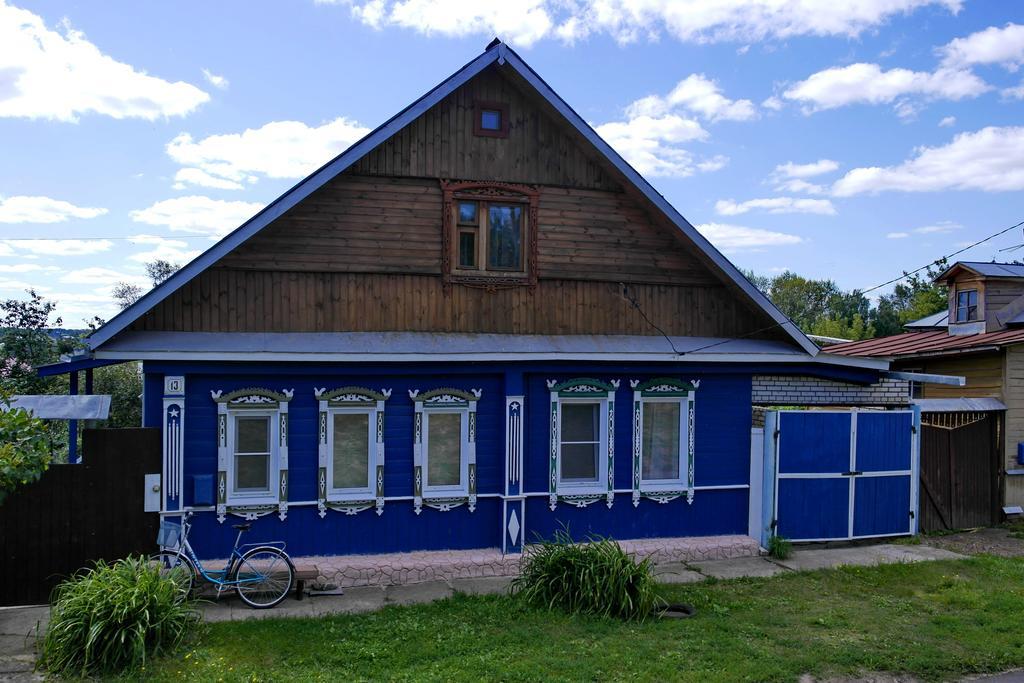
(304, 573)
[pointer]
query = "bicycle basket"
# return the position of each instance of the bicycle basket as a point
(169, 535)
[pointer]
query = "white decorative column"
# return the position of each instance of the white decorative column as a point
(172, 479)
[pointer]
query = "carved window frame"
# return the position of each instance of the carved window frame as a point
(479, 107)
(252, 402)
(445, 400)
(660, 390)
(583, 389)
(497, 193)
(358, 400)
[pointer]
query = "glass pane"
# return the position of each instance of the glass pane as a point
(467, 249)
(253, 435)
(580, 422)
(504, 237)
(661, 441)
(579, 462)
(252, 472)
(467, 212)
(351, 450)
(490, 119)
(444, 449)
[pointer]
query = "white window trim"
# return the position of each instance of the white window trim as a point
(462, 488)
(583, 390)
(444, 400)
(253, 497)
(681, 455)
(352, 400)
(252, 402)
(600, 486)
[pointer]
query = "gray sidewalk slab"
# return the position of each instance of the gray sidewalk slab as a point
(487, 585)
(739, 567)
(863, 556)
(676, 572)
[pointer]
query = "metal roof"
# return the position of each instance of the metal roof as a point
(926, 343)
(958, 405)
(496, 53)
(986, 269)
(433, 346)
(940, 319)
(58, 407)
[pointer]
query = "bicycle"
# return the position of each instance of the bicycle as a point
(262, 575)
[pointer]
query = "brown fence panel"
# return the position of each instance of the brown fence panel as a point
(76, 514)
(959, 470)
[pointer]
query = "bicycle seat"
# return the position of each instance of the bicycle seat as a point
(242, 527)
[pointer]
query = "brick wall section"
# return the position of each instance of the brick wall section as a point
(786, 390)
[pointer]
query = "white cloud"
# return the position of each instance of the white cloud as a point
(868, 84)
(727, 207)
(175, 251)
(56, 247)
(898, 235)
(102, 278)
(993, 45)
(715, 163)
(524, 22)
(815, 168)
(61, 75)
(1014, 93)
(773, 103)
(699, 94)
(23, 209)
(987, 160)
(279, 149)
(216, 81)
(25, 268)
(198, 214)
(938, 228)
(947, 121)
(733, 238)
(798, 185)
(651, 144)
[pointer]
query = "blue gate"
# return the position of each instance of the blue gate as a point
(839, 475)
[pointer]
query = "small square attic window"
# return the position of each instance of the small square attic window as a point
(490, 119)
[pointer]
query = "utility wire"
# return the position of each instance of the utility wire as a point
(632, 300)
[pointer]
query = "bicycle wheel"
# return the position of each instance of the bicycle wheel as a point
(176, 567)
(264, 575)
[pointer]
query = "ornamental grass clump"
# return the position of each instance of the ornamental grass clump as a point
(596, 578)
(109, 619)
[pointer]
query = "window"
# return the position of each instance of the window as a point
(444, 456)
(966, 305)
(490, 119)
(490, 234)
(580, 449)
(663, 439)
(252, 452)
(444, 449)
(252, 455)
(582, 441)
(351, 472)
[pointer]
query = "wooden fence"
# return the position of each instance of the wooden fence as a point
(76, 514)
(960, 482)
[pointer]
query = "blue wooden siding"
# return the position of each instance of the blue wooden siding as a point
(722, 452)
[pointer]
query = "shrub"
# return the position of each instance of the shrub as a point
(779, 547)
(109, 619)
(596, 577)
(24, 452)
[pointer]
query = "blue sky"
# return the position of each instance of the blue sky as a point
(849, 140)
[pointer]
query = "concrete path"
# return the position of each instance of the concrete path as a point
(18, 625)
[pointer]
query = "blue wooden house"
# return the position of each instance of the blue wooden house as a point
(476, 325)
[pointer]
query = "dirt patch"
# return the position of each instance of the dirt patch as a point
(1005, 542)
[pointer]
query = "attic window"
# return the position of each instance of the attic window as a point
(489, 234)
(967, 305)
(490, 119)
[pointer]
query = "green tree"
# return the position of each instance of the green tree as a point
(914, 298)
(24, 447)
(26, 342)
(818, 306)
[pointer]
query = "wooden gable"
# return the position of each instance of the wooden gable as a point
(364, 252)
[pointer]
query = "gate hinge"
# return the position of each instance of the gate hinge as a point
(776, 433)
(913, 429)
(912, 514)
(774, 524)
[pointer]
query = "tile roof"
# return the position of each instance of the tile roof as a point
(936, 342)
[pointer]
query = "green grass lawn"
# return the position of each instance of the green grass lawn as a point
(936, 620)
